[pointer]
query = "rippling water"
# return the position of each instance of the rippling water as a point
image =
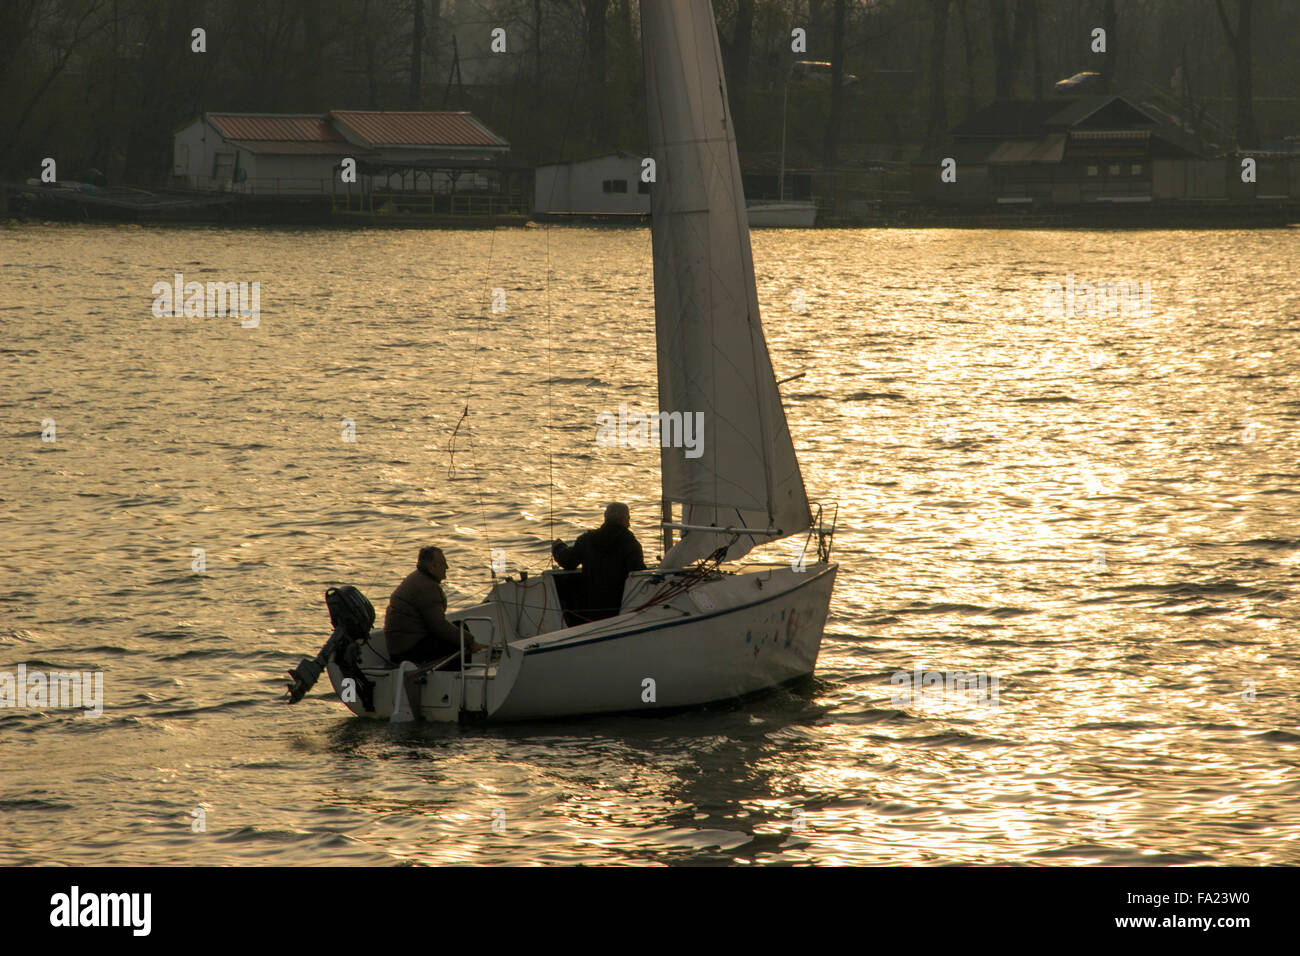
(1101, 511)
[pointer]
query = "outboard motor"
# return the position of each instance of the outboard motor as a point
(352, 616)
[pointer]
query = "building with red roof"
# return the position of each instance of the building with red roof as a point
(402, 158)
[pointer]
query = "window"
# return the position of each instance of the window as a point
(1092, 170)
(1135, 169)
(1114, 169)
(643, 188)
(614, 185)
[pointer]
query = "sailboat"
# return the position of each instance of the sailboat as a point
(691, 631)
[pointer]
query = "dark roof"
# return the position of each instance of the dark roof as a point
(1011, 118)
(966, 153)
(417, 129)
(1108, 110)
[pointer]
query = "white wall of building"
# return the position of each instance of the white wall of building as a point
(203, 160)
(192, 153)
(288, 175)
(602, 186)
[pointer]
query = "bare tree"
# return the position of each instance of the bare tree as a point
(937, 114)
(1240, 42)
(1109, 23)
(596, 12)
(968, 45)
(417, 56)
(82, 21)
(1036, 45)
(1009, 34)
(738, 54)
(831, 144)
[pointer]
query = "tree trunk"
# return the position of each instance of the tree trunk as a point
(538, 91)
(537, 50)
(1009, 35)
(432, 37)
(596, 13)
(832, 142)
(937, 122)
(417, 56)
(1240, 41)
(741, 44)
(1109, 23)
(1035, 43)
(372, 80)
(1247, 134)
(314, 66)
(969, 44)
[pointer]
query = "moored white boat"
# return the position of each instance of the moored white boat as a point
(790, 214)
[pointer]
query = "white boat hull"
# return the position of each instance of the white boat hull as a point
(722, 639)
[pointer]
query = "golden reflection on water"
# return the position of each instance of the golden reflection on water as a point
(1100, 511)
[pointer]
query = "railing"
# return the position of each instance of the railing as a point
(376, 202)
(388, 202)
(263, 186)
(505, 650)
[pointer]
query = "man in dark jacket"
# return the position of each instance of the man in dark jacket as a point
(415, 624)
(607, 555)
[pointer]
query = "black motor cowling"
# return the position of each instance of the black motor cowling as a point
(352, 616)
(351, 610)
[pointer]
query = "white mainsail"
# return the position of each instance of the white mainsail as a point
(713, 358)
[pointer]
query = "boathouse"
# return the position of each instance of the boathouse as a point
(422, 163)
(1087, 149)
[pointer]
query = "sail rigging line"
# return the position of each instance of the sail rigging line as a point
(451, 445)
(550, 377)
(475, 346)
(550, 336)
(699, 572)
